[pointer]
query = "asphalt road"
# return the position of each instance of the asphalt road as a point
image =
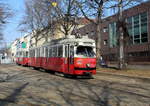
(23, 86)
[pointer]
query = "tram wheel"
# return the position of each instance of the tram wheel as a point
(67, 75)
(50, 71)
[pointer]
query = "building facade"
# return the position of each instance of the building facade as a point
(138, 45)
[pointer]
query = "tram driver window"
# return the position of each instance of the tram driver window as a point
(85, 51)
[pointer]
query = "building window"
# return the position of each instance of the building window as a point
(144, 31)
(112, 34)
(105, 29)
(137, 28)
(130, 30)
(87, 34)
(92, 33)
(105, 42)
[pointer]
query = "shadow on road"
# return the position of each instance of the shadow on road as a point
(12, 97)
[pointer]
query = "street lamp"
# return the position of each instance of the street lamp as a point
(54, 4)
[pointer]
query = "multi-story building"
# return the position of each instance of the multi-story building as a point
(20, 44)
(138, 25)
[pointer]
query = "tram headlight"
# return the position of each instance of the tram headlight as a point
(79, 62)
(76, 44)
(88, 65)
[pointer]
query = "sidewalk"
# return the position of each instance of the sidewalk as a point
(129, 72)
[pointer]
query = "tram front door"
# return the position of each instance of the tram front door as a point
(70, 58)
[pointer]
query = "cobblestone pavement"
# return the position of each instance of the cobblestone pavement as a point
(23, 86)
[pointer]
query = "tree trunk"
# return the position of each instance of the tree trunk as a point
(98, 44)
(121, 64)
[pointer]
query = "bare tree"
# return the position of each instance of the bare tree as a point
(37, 19)
(66, 13)
(5, 14)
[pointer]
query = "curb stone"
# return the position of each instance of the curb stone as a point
(140, 79)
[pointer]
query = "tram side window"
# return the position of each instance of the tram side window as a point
(66, 51)
(53, 52)
(34, 53)
(50, 52)
(20, 54)
(31, 53)
(42, 52)
(23, 54)
(27, 54)
(39, 52)
(72, 51)
(46, 51)
(17, 54)
(60, 51)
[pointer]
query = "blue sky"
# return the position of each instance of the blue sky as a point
(11, 30)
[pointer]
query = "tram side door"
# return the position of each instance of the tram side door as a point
(70, 57)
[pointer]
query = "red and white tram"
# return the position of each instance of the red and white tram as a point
(70, 56)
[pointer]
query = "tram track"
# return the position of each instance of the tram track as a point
(127, 77)
(122, 88)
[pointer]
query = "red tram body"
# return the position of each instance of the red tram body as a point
(70, 56)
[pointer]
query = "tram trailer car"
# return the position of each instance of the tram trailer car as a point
(22, 58)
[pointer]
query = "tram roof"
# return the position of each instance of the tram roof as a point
(72, 39)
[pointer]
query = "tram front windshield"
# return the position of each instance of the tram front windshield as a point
(85, 51)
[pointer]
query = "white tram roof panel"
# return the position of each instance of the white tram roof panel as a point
(72, 39)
